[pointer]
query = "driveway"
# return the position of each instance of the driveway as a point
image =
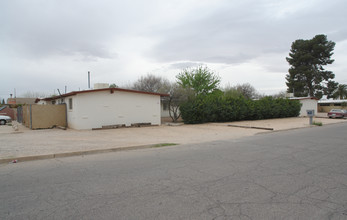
(26, 142)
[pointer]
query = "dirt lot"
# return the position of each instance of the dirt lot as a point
(26, 142)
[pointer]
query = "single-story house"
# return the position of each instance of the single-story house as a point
(308, 103)
(325, 105)
(108, 106)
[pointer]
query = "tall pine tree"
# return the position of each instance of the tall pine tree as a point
(307, 76)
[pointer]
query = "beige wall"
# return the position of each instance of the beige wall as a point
(96, 109)
(328, 108)
(26, 115)
(44, 116)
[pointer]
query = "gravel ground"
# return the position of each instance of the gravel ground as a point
(26, 142)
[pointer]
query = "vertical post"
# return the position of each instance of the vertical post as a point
(88, 80)
(66, 121)
(31, 118)
(310, 114)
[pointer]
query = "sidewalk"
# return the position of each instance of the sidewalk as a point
(26, 144)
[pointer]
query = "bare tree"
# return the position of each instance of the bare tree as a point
(231, 91)
(281, 94)
(152, 83)
(246, 90)
(32, 94)
(178, 95)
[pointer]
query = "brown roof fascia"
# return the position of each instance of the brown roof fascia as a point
(100, 90)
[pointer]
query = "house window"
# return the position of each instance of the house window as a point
(70, 103)
(165, 106)
(53, 102)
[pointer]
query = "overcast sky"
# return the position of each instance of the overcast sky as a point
(46, 45)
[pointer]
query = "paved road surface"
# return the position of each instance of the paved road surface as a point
(297, 174)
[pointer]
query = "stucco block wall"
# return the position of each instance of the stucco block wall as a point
(96, 109)
(26, 115)
(308, 104)
(44, 116)
(328, 108)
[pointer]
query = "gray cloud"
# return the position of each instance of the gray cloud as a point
(236, 33)
(44, 28)
(183, 65)
(48, 44)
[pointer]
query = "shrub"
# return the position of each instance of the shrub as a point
(217, 107)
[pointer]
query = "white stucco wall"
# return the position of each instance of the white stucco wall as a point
(308, 104)
(42, 102)
(95, 109)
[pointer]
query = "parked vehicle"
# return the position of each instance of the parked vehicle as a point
(337, 113)
(5, 119)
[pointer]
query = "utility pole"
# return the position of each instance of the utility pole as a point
(88, 80)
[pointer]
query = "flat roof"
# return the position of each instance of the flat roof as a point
(112, 90)
(303, 98)
(332, 101)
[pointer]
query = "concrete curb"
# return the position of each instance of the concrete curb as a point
(76, 153)
(251, 127)
(297, 128)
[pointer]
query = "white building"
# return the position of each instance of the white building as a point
(308, 103)
(109, 106)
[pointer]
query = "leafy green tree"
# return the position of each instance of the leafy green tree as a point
(307, 75)
(113, 85)
(340, 92)
(330, 89)
(201, 80)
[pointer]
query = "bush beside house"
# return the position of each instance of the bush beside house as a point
(217, 107)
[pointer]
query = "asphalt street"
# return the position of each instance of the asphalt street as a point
(296, 174)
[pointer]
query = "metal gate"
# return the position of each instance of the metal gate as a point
(20, 114)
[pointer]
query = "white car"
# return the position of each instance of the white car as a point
(4, 119)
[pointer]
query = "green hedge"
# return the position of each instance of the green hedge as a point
(220, 108)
